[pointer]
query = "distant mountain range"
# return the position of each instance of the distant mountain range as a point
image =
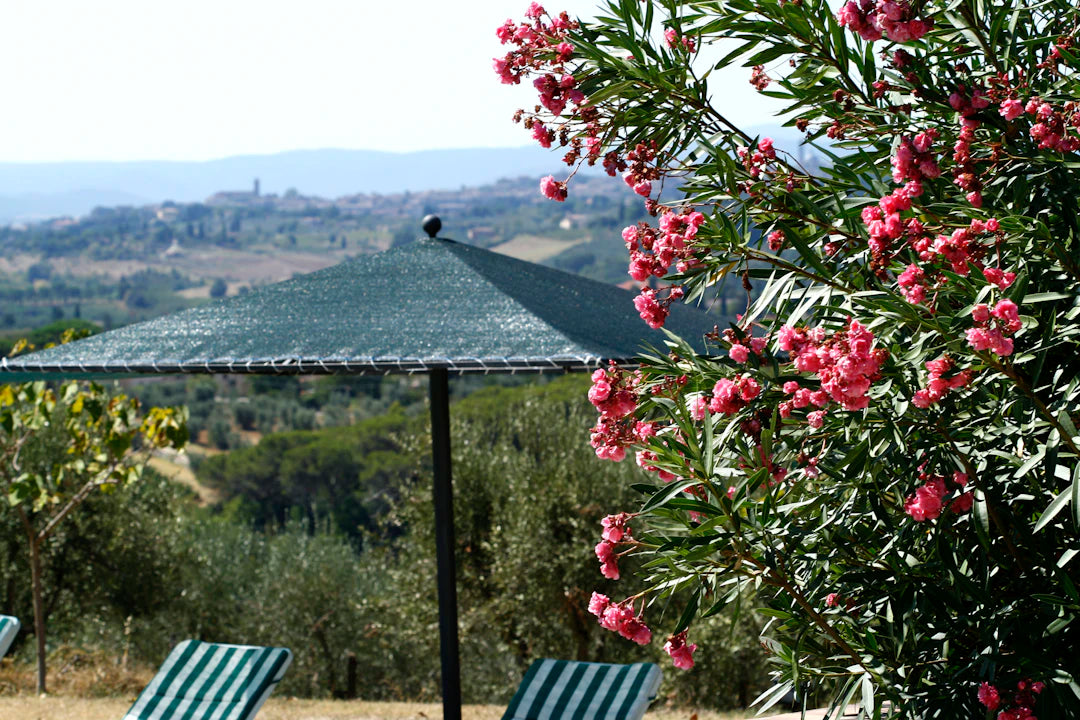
(35, 191)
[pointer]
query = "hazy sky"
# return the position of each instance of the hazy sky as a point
(193, 80)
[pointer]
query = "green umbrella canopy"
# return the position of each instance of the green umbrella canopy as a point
(433, 303)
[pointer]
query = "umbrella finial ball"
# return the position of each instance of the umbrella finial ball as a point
(432, 225)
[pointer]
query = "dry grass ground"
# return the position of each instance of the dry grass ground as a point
(65, 708)
(87, 685)
(92, 686)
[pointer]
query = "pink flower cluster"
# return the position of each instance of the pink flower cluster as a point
(541, 134)
(913, 159)
(640, 172)
(652, 310)
(884, 223)
(620, 618)
(682, 655)
(673, 40)
(556, 91)
(873, 18)
(967, 104)
(652, 253)
(534, 40)
(755, 161)
(758, 78)
(928, 500)
(776, 240)
(553, 189)
(729, 396)
(614, 394)
(615, 527)
(846, 363)
(990, 334)
(645, 460)
(1023, 701)
(939, 386)
(960, 248)
(542, 51)
(965, 173)
(1011, 109)
(615, 530)
(912, 284)
(1051, 128)
(605, 553)
(803, 397)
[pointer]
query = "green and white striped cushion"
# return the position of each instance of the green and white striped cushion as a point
(9, 628)
(209, 681)
(565, 690)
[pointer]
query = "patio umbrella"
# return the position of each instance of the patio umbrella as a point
(432, 306)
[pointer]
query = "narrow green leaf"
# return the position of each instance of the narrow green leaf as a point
(1056, 506)
(689, 613)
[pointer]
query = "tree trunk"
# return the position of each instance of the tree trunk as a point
(39, 610)
(35, 542)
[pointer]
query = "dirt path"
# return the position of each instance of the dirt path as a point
(178, 469)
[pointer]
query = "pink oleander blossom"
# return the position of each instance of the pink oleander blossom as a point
(1007, 312)
(912, 284)
(926, 504)
(553, 189)
(599, 392)
(541, 134)
(620, 618)
(729, 396)
(615, 527)
(739, 353)
(847, 363)
(963, 503)
(991, 334)
(651, 311)
(997, 276)
(598, 603)
(989, 696)
(682, 654)
(699, 408)
(1011, 109)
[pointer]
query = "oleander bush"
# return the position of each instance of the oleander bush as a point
(883, 447)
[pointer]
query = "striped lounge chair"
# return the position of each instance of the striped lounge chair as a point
(208, 681)
(564, 690)
(9, 628)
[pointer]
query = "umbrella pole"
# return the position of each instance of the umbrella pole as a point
(439, 389)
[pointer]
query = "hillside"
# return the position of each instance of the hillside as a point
(38, 191)
(35, 191)
(122, 264)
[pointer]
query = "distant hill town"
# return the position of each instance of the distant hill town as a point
(117, 265)
(39, 191)
(112, 263)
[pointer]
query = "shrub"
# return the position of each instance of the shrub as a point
(884, 446)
